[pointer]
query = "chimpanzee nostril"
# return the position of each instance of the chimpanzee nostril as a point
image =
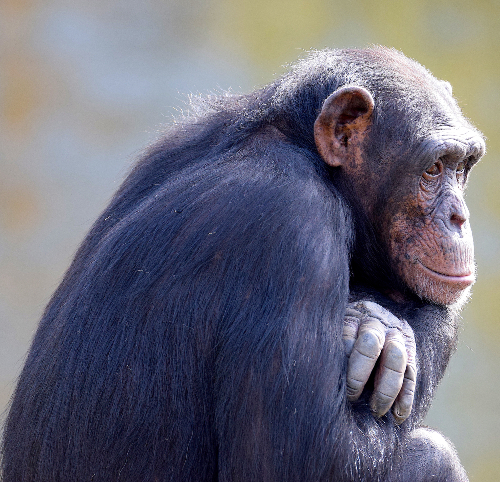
(457, 219)
(459, 213)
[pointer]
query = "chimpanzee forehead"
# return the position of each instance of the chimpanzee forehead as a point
(432, 119)
(457, 142)
(453, 142)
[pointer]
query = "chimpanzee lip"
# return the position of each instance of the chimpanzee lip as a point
(467, 278)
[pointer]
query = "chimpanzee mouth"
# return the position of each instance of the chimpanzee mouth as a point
(463, 279)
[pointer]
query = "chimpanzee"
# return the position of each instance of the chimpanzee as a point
(272, 294)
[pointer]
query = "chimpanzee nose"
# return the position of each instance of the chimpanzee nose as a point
(459, 213)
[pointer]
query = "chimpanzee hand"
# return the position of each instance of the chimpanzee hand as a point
(372, 333)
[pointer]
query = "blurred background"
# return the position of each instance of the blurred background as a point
(85, 85)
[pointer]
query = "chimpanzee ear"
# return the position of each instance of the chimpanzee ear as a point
(342, 123)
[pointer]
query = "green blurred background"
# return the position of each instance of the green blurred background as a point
(85, 85)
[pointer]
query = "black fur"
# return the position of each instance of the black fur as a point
(197, 335)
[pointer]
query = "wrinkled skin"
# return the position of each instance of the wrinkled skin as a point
(424, 227)
(430, 235)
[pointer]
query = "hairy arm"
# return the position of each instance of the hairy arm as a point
(282, 411)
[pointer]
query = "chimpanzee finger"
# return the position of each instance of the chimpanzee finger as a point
(404, 401)
(390, 374)
(350, 331)
(365, 352)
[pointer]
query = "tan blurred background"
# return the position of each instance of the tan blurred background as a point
(84, 85)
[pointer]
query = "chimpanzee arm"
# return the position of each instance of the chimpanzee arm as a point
(281, 406)
(280, 365)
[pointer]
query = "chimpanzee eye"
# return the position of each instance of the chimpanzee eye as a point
(461, 171)
(433, 171)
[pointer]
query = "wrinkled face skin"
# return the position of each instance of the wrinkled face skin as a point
(428, 230)
(415, 201)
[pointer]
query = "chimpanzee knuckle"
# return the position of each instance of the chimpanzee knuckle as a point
(411, 374)
(404, 401)
(389, 381)
(381, 403)
(374, 324)
(408, 389)
(394, 334)
(351, 323)
(360, 366)
(376, 311)
(395, 357)
(354, 389)
(353, 312)
(350, 333)
(348, 344)
(369, 343)
(368, 308)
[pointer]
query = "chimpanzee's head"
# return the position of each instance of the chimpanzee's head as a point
(405, 150)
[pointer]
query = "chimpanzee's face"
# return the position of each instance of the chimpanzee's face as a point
(428, 230)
